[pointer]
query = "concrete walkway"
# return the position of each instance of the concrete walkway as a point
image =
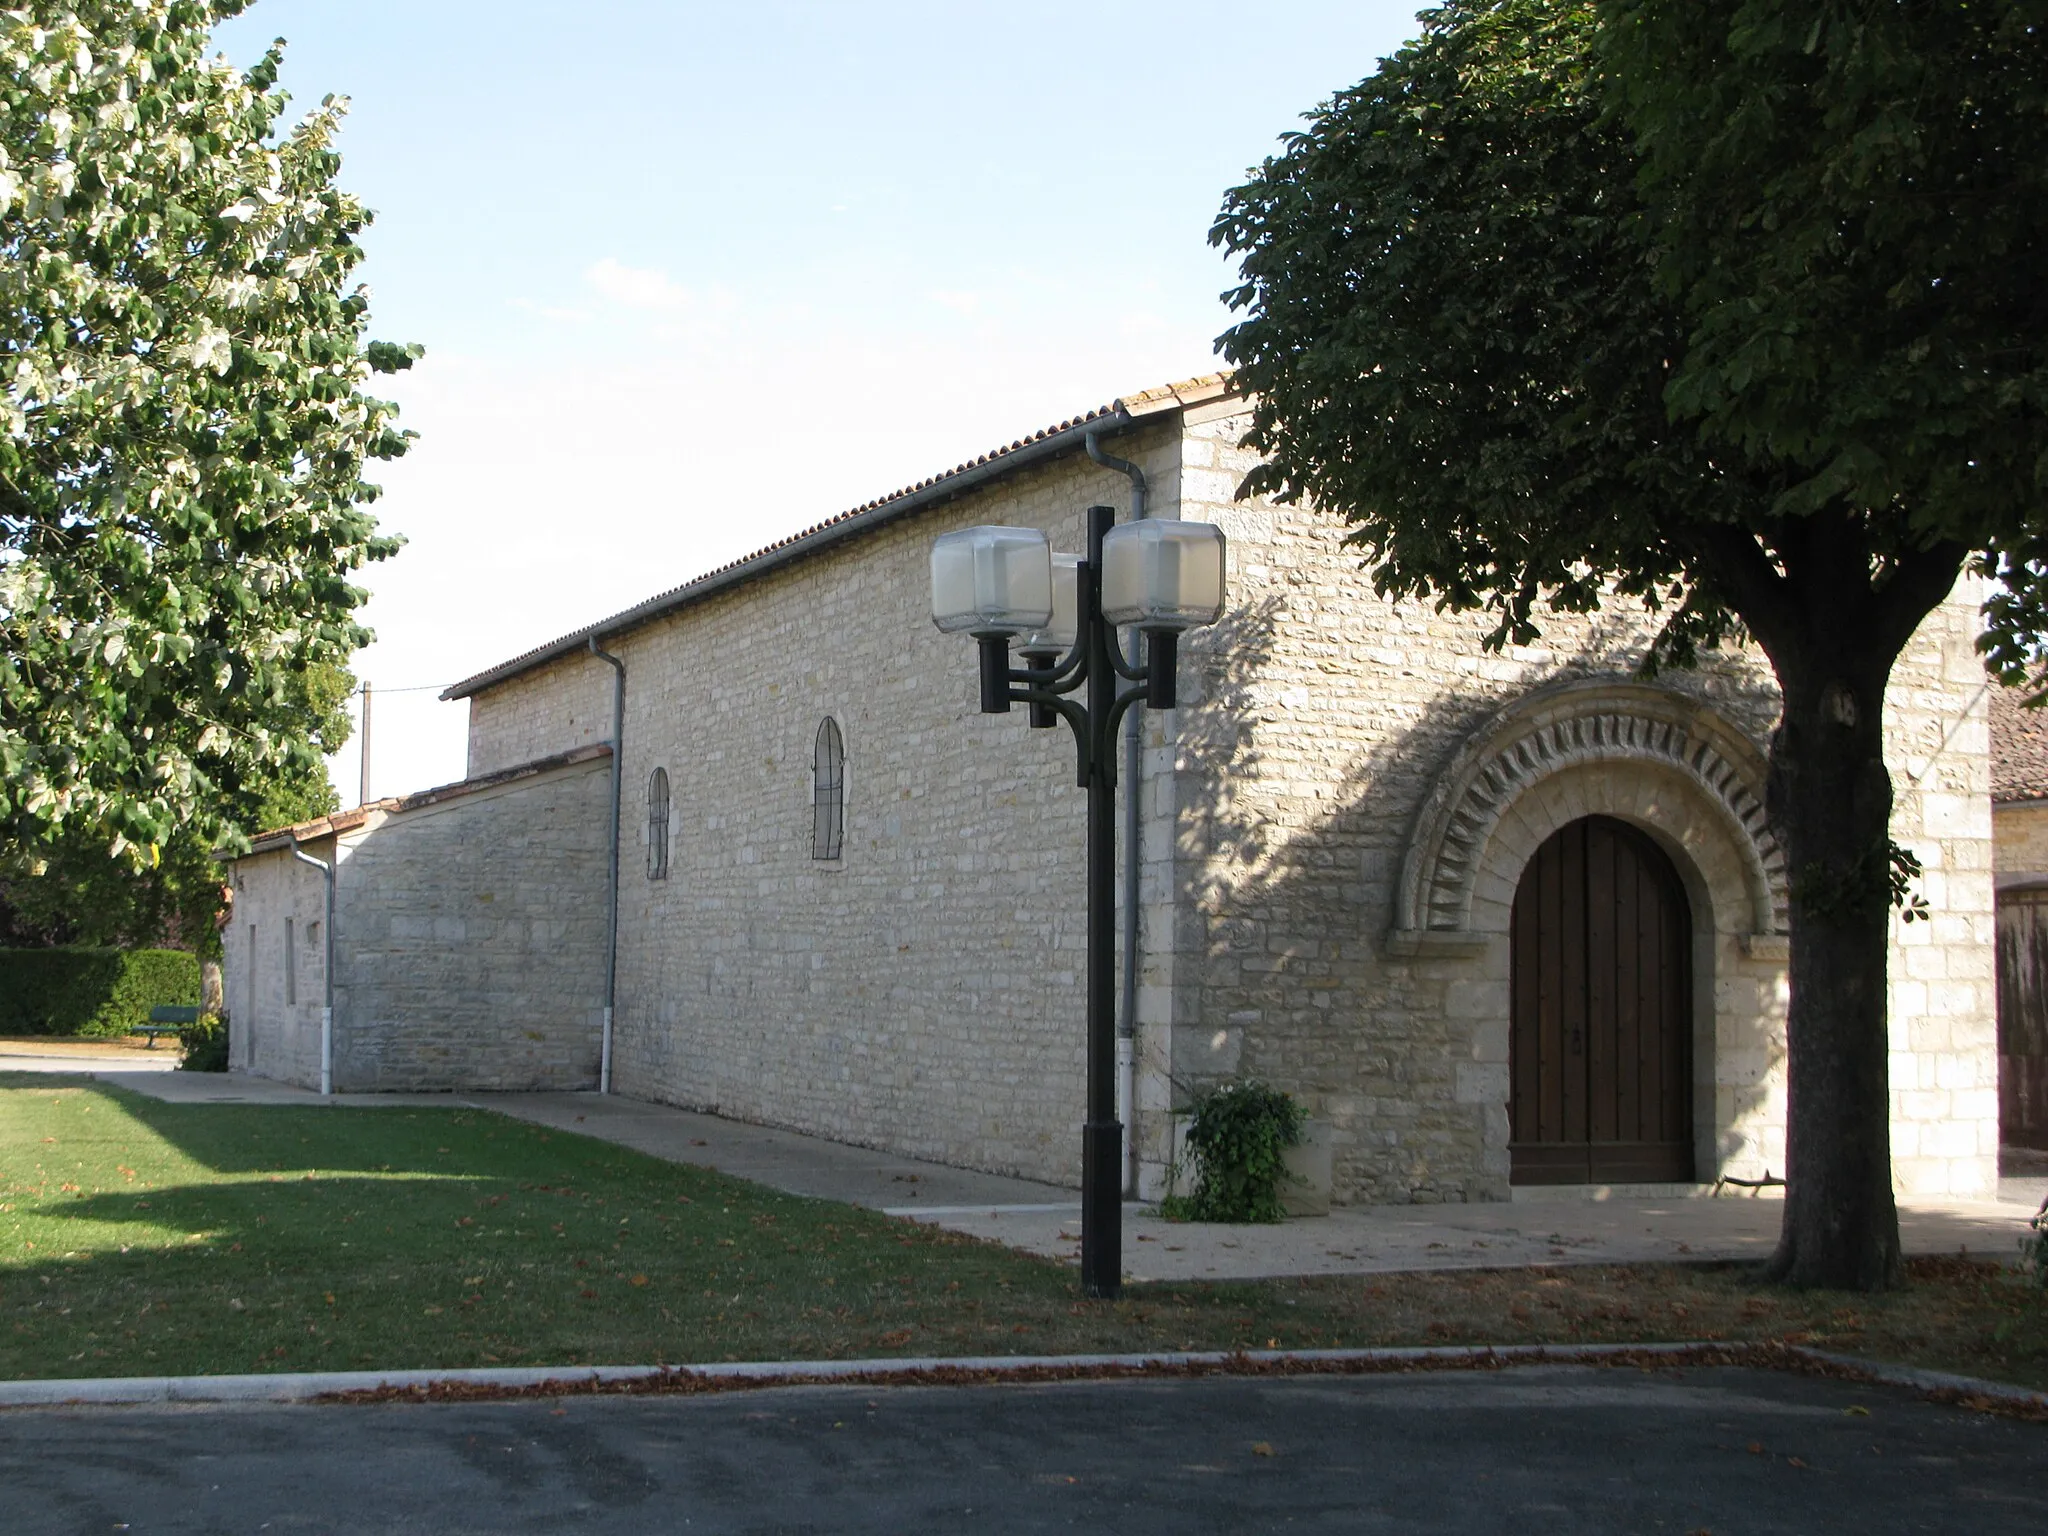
(1538, 1228)
(66, 1055)
(1519, 1233)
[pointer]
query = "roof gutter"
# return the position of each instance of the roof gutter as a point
(946, 488)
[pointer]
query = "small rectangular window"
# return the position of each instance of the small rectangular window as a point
(291, 967)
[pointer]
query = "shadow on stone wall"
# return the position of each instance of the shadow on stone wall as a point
(1295, 859)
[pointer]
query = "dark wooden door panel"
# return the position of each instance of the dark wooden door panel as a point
(1601, 991)
(2023, 1017)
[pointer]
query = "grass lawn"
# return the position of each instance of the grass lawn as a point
(142, 1238)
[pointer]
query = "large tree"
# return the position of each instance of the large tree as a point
(83, 893)
(183, 431)
(1571, 304)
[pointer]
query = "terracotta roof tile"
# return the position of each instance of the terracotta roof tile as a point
(2019, 747)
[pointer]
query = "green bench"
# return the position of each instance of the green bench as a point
(165, 1019)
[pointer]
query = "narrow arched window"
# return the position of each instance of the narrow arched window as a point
(657, 825)
(828, 792)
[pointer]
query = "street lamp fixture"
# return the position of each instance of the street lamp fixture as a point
(1005, 585)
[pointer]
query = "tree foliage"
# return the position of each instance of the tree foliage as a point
(1439, 346)
(185, 433)
(1691, 306)
(1848, 199)
(85, 894)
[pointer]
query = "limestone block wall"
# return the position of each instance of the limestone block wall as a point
(555, 709)
(273, 968)
(923, 991)
(2019, 838)
(472, 934)
(469, 939)
(1318, 719)
(1944, 1007)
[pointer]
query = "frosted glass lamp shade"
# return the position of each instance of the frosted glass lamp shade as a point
(992, 580)
(1065, 626)
(1162, 575)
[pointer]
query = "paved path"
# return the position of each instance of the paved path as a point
(43, 1054)
(1531, 1449)
(802, 1165)
(1536, 1228)
(1491, 1235)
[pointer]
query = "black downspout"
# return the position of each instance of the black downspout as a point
(611, 922)
(1127, 1015)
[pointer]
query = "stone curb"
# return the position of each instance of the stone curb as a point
(312, 1386)
(1936, 1383)
(283, 1387)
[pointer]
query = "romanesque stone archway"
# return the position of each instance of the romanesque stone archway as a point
(1685, 779)
(1612, 735)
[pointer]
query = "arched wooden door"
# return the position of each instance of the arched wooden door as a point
(1601, 1039)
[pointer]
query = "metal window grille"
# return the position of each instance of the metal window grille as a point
(828, 792)
(657, 825)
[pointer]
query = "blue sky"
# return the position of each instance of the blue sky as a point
(691, 277)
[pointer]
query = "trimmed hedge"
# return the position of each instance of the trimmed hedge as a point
(103, 992)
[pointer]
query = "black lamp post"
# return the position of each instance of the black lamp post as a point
(1005, 584)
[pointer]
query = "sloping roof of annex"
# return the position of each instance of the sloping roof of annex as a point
(2019, 747)
(1049, 442)
(271, 839)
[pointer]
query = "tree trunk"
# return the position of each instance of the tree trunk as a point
(1833, 617)
(1831, 802)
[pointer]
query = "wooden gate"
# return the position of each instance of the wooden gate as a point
(1601, 1037)
(2023, 1017)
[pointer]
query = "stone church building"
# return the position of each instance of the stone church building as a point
(1495, 918)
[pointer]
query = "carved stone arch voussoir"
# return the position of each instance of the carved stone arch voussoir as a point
(1595, 722)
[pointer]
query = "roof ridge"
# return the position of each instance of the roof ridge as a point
(1125, 410)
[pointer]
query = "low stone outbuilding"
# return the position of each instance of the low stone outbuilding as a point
(1495, 917)
(469, 925)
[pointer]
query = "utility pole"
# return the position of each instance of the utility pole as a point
(363, 784)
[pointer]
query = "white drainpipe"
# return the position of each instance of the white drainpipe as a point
(327, 968)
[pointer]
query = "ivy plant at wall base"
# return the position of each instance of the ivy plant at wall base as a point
(1237, 1137)
(204, 1046)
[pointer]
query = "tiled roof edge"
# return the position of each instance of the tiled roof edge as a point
(1049, 442)
(349, 820)
(2019, 748)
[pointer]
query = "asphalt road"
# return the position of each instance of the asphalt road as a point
(1534, 1449)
